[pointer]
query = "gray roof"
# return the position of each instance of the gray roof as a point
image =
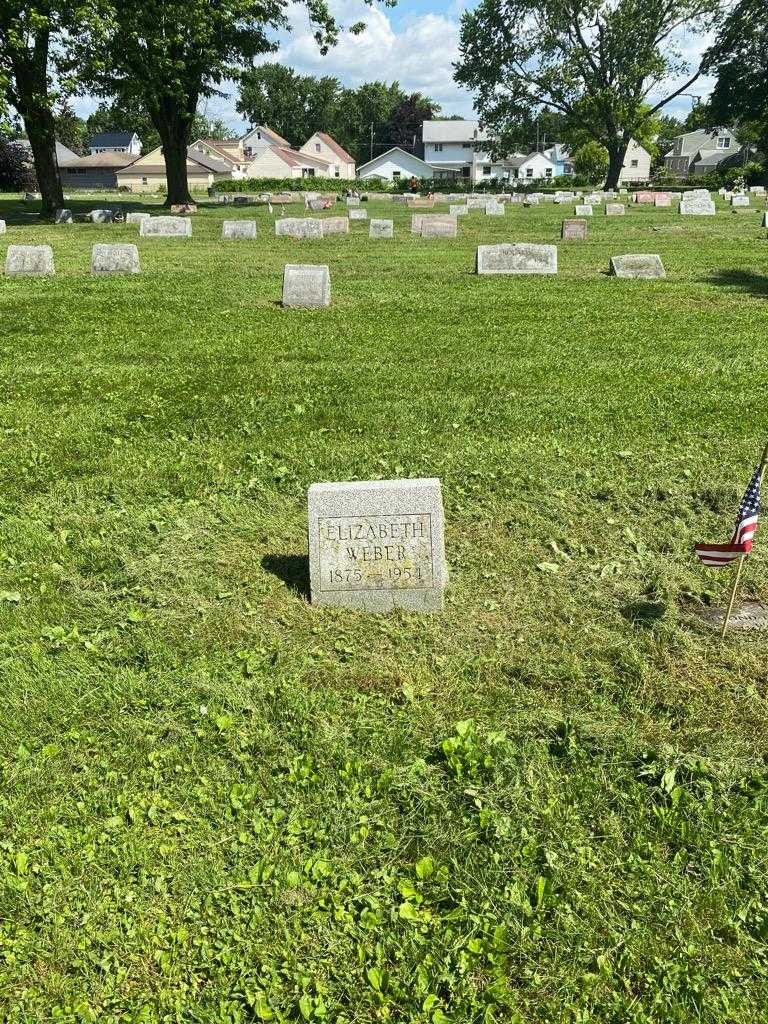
(209, 162)
(453, 131)
(101, 139)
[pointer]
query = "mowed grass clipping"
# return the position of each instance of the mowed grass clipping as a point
(222, 805)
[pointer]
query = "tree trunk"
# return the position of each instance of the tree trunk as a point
(616, 155)
(42, 138)
(174, 125)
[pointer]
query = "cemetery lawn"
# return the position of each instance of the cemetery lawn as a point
(220, 804)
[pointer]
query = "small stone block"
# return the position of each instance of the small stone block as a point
(235, 230)
(439, 227)
(574, 229)
(494, 209)
(306, 286)
(299, 227)
(352, 202)
(381, 229)
(64, 217)
(643, 265)
(241, 201)
(377, 545)
(335, 226)
(582, 210)
(458, 210)
(355, 214)
(3, 227)
(101, 216)
(115, 259)
(184, 208)
(696, 206)
(29, 261)
(166, 227)
(519, 258)
(615, 210)
(136, 218)
(740, 201)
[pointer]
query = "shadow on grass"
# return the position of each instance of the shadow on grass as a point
(742, 280)
(644, 613)
(293, 570)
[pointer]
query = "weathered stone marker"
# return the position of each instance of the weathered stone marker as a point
(352, 202)
(439, 227)
(355, 214)
(306, 286)
(115, 259)
(697, 205)
(519, 258)
(64, 217)
(494, 209)
(531, 201)
(184, 208)
(662, 199)
(458, 210)
(377, 545)
(335, 226)
(241, 200)
(574, 229)
(583, 210)
(2, 227)
(645, 265)
(101, 216)
(233, 230)
(381, 229)
(299, 227)
(740, 201)
(765, 222)
(615, 210)
(29, 260)
(136, 218)
(166, 227)
(644, 197)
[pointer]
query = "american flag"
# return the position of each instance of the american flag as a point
(718, 555)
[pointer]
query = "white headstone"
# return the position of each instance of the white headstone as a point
(136, 218)
(583, 210)
(574, 229)
(352, 201)
(335, 226)
(458, 209)
(115, 259)
(29, 260)
(476, 202)
(740, 201)
(520, 258)
(381, 229)
(645, 265)
(693, 205)
(615, 209)
(166, 227)
(494, 209)
(355, 214)
(306, 286)
(232, 230)
(299, 227)
(101, 216)
(377, 545)
(2, 227)
(439, 227)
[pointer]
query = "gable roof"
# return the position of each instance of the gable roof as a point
(107, 159)
(218, 153)
(394, 149)
(110, 139)
(296, 159)
(333, 145)
(209, 162)
(265, 128)
(452, 131)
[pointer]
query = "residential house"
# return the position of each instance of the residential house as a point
(259, 138)
(394, 165)
(115, 142)
(147, 173)
(454, 150)
(703, 151)
(97, 170)
(561, 159)
(637, 164)
(63, 153)
(342, 165)
(228, 151)
(530, 167)
(284, 162)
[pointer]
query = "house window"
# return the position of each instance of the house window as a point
(723, 142)
(144, 181)
(317, 147)
(487, 170)
(529, 172)
(438, 147)
(633, 163)
(466, 145)
(548, 172)
(465, 172)
(395, 175)
(307, 172)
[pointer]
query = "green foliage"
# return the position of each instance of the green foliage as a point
(590, 162)
(258, 185)
(222, 804)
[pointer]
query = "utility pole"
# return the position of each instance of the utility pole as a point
(371, 140)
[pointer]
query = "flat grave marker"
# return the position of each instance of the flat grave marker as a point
(638, 265)
(306, 286)
(29, 261)
(115, 259)
(574, 229)
(335, 226)
(165, 227)
(516, 258)
(238, 230)
(299, 227)
(381, 228)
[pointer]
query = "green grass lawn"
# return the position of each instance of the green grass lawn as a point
(220, 804)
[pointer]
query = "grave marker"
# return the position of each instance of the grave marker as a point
(101, 216)
(693, 205)
(615, 210)
(306, 286)
(115, 259)
(64, 217)
(439, 227)
(2, 227)
(358, 214)
(29, 261)
(235, 230)
(165, 227)
(583, 210)
(377, 545)
(574, 229)
(381, 229)
(518, 258)
(136, 218)
(458, 210)
(299, 227)
(335, 226)
(494, 209)
(740, 201)
(641, 265)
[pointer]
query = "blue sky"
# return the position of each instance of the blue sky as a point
(414, 43)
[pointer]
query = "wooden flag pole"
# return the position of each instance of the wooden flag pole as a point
(737, 577)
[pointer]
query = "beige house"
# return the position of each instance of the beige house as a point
(147, 174)
(228, 151)
(323, 145)
(284, 162)
(637, 164)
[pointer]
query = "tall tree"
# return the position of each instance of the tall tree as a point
(171, 53)
(597, 62)
(739, 58)
(71, 130)
(406, 119)
(365, 118)
(294, 105)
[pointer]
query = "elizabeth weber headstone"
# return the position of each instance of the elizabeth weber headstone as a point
(232, 230)
(29, 260)
(306, 286)
(166, 227)
(574, 229)
(381, 229)
(518, 258)
(115, 259)
(644, 265)
(377, 545)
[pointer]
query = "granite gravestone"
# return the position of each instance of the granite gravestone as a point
(241, 200)
(518, 258)
(115, 259)
(583, 210)
(740, 201)
(476, 202)
(574, 229)
(64, 217)
(101, 216)
(2, 227)
(614, 210)
(494, 209)
(662, 199)
(439, 227)
(238, 230)
(644, 265)
(136, 218)
(381, 229)
(166, 227)
(531, 201)
(352, 202)
(29, 261)
(335, 226)
(458, 209)
(355, 214)
(299, 227)
(765, 221)
(306, 286)
(697, 205)
(377, 545)
(644, 197)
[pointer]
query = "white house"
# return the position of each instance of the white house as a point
(259, 138)
(342, 165)
(395, 165)
(115, 142)
(454, 150)
(530, 167)
(637, 164)
(284, 162)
